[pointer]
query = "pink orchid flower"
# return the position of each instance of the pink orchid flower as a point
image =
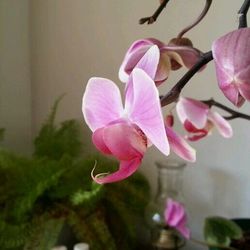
(177, 143)
(176, 217)
(232, 61)
(199, 119)
(124, 132)
(172, 57)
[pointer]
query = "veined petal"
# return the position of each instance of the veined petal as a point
(231, 54)
(221, 124)
(126, 169)
(132, 57)
(180, 146)
(231, 51)
(142, 105)
(101, 103)
(192, 110)
(149, 62)
(124, 142)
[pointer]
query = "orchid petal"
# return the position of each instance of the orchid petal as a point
(231, 91)
(101, 103)
(142, 105)
(123, 141)
(221, 124)
(98, 141)
(132, 57)
(180, 146)
(192, 110)
(244, 90)
(149, 62)
(231, 56)
(163, 69)
(198, 133)
(184, 55)
(126, 169)
(175, 216)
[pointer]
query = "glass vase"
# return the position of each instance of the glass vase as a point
(169, 185)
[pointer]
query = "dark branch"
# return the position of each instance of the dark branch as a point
(174, 93)
(153, 18)
(243, 14)
(200, 17)
(234, 114)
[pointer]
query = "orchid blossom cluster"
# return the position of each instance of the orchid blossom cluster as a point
(126, 130)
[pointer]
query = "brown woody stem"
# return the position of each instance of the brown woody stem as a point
(243, 14)
(174, 93)
(153, 18)
(200, 17)
(234, 114)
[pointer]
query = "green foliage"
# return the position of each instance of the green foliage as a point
(54, 142)
(220, 231)
(41, 194)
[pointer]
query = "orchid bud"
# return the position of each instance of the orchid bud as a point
(171, 57)
(169, 120)
(183, 41)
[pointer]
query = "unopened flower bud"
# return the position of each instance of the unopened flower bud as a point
(169, 120)
(184, 41)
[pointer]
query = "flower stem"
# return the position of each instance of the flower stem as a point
(243, 14)
(200, 17)
(174, 93)
(234, 114)
(153, 18)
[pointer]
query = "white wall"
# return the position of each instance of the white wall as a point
(75, 40)
(15, 101)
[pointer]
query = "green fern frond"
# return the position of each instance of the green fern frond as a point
(88, 198)
(54, 142)
(45, 234)
(42, 175)
(14, 236)
(94, 230)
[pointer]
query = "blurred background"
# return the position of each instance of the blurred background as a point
(51, 47)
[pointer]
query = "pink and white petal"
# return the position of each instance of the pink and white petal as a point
(180, 146)
(131, 60)
(98, 141)
(139, 44)
(101, 103)
(124, 142)
(192, 110)
(142, 105)
(126, 169)
(149, 62)
(231, 51)
(221, 124)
